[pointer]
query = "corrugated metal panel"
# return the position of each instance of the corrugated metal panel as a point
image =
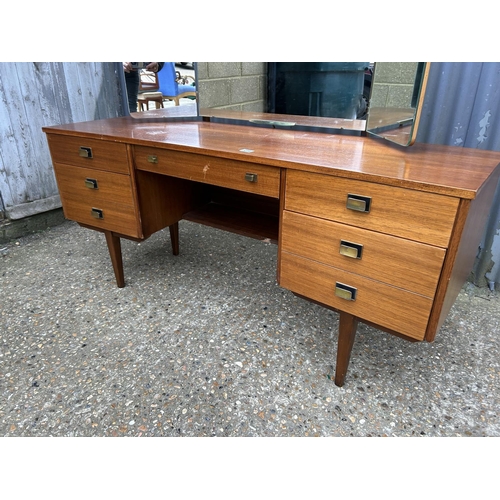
(462, 108)
(34, 95)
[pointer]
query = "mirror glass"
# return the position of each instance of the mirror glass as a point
(396, 99)
(173, 88)
(381, 99)
(302, 95)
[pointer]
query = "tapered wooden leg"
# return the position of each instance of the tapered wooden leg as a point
(347, 332)
(174, 237)
(115, 252)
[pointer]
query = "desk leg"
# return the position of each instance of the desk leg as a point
(115, 252)
(174, 237)
(347, 332)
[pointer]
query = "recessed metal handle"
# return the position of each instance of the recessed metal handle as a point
(85, 152)
(349, 249)
(345, 292)
(97, 213)
(250, 177)
(91, 183)
(358, 203)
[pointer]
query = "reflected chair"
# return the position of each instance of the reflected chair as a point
(148, 81)
(170, 88)
(149, 91)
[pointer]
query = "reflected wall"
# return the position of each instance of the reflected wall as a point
(393, 84)
(234, 86)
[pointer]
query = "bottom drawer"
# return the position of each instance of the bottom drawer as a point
(115, 216)
(384, 305)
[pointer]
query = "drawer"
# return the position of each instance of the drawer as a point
(109, 206)
(416, 215)
(101, 155)
(384, 305)
(239, 175)
(396, 261)
(93, 185)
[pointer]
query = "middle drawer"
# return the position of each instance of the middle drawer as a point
(224, 172)
(392, 260)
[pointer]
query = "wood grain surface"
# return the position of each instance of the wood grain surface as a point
(439, 169)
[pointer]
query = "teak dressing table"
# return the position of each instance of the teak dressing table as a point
(379, 233)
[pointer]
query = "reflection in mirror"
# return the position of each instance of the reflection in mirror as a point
(268, 94)
(174, 87)
(326, 89)
(292, 94)
(396, 100)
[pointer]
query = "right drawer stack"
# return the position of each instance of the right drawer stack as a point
(371, 250)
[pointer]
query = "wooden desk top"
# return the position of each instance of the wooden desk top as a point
(448, 170)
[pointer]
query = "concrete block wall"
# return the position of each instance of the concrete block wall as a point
(240, 86)
(393, 85)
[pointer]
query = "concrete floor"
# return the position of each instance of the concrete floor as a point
(206, 344)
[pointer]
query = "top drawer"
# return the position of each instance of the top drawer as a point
(234, 174)
(416, 215)
(89, 153)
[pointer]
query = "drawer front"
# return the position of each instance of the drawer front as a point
(109, 206)
(242, 176)
(381, 304)
(416, 215)
(94, 186)
(392, 260)
(115, 217)
(89, 153)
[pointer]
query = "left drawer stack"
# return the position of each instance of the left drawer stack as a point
(95, 184)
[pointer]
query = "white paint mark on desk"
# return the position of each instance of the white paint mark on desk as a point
(206, 168)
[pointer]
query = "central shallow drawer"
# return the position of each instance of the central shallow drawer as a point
(239, 175)
(89, 153)
(378, 303)
(395, 261)
(416, 215)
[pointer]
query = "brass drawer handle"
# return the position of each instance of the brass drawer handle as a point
(85, 152)
(250, 177)
(91, 183)
(152, 159)
(345, 292)
(358, 203)
(349, 249)
(97, 213)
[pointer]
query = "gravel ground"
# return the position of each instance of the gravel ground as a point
(207, 344)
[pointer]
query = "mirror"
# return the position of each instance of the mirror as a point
(321, 96)
(380, 99)
(396, 100)
(173, 88)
